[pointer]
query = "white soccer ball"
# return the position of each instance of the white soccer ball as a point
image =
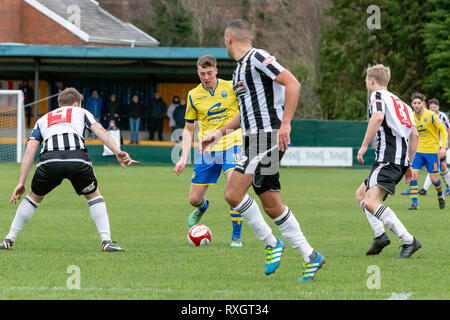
(199, 235)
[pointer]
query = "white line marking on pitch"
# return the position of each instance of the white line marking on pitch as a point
(400, 296)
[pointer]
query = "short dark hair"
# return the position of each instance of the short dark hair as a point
(240, 29)
(207, 61)
(433, 101)
(418, 95)
(68, 97)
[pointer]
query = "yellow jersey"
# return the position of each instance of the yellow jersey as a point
(213, 110)
(428, 125)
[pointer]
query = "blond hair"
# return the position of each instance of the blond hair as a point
(380, 73)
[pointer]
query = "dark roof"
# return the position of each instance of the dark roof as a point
(94, 23)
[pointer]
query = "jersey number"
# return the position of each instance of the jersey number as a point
(59, 116)
(402, 112)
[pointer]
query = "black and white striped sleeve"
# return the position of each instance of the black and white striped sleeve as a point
(89, 119)
(377, 103)
(266, 63)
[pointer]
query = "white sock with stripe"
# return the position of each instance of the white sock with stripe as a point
(97, 207)
(391, 221)
(376, 224)
(250, 211)
(24, 212)
(290, 228)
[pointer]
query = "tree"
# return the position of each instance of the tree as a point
(170, 23)
(437, 42)
(349, 46)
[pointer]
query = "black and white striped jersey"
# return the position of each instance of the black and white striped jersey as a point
(444, 119)
(260, 98)
(393, 134)
(63, 129)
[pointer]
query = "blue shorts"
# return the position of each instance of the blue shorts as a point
(208, 166)
(429, 160)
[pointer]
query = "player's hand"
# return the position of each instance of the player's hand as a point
(17, 193)
(442, 153)
(408, 175)
(179, 167)
(361, 153)
(209, 141)
(124, 159)
(283, 137)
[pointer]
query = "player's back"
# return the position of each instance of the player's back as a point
(394, 132)
(63, 128)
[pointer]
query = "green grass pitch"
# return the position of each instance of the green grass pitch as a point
(148, 209)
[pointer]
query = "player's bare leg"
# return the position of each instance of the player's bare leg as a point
(97, 208)
(237, 197)
(284, 218)
(373, 203)
(438, 186)
(197, 199)
(24, 212)
(381, 239)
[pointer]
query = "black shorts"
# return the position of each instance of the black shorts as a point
(262, 159)
(55, 166)
(385, 175)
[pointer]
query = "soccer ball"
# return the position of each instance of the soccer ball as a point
(199, 235)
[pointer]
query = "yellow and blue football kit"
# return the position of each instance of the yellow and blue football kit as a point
(213, 110)
(428, 126)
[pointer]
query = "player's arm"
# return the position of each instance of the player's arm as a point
(374, 124)
(444, 136)
(27, 162)
(210, 140)
(413, 142)
(122, 156)
(292, 91)
(186, 143)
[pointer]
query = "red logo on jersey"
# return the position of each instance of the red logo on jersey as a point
(268, 60)
(59, 116)
(402, 112)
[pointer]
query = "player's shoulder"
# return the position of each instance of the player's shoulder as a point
(225, 84)
(196, 91)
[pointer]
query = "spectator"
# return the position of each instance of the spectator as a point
(179, 114)
(135, 112)
(28, 97)
(173, 105)
(112, 110)
(156, 116)
(94, 104)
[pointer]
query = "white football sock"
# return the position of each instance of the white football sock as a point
(427, 183)
(376, 224)
(446, 176)
(24, 213)
(290, 228)
(97, 207)
(250, 211)
(391, 221)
